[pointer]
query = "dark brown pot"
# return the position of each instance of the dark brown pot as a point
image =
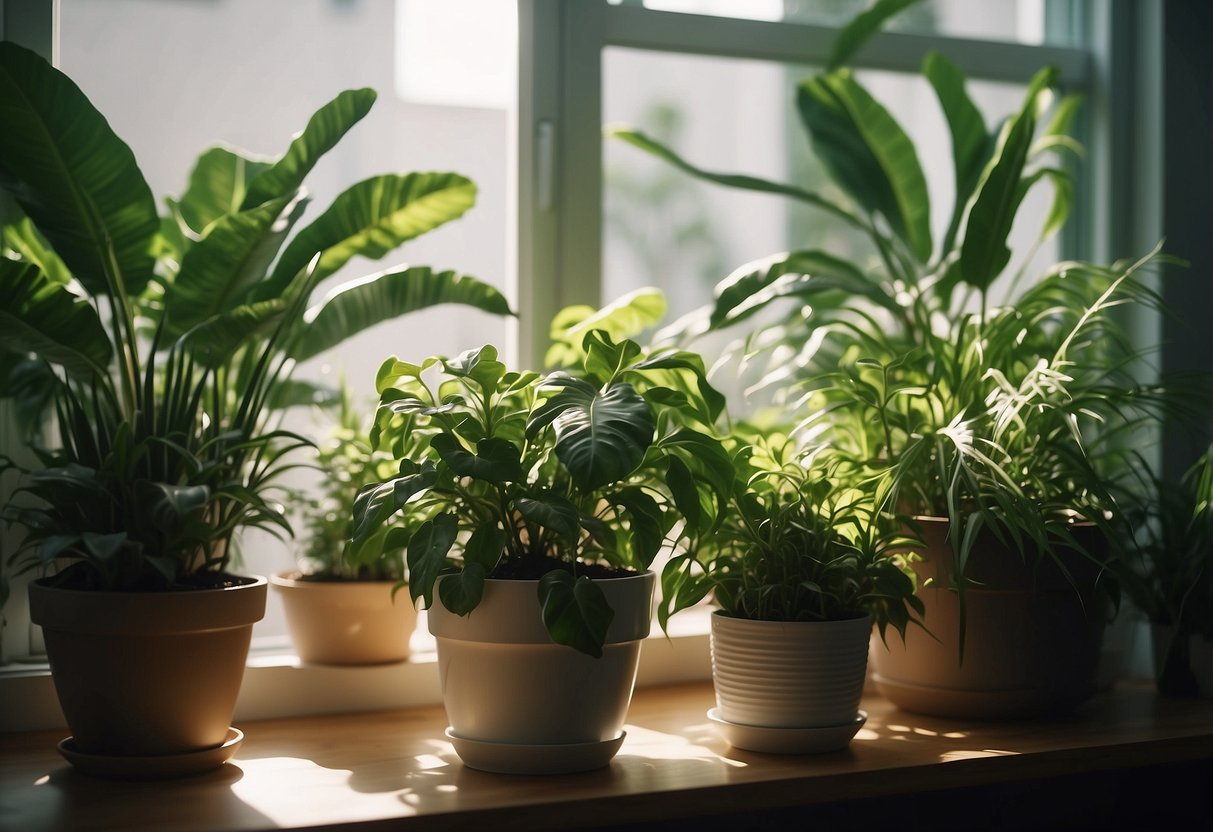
(1032, 636)
(148, 673)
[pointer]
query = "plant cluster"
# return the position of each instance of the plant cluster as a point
(165, 343)
(560, 477)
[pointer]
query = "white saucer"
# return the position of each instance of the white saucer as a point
(511, 758)
(158, 767)
(787, 740)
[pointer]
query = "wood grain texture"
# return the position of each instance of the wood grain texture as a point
(394, 769)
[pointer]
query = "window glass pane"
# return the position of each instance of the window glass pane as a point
(666, 229)
(1018, 21)
(176, 78)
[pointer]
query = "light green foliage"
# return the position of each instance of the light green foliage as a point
(561, 471)
(164, 344)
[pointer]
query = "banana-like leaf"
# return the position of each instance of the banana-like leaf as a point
(217, 185)
(602, 437)
(984, 252)
(217, 272)
(217, 339)
(371, 219)
(19, 234)
(799, 273)
(971, 143)
(733, 180)
(73, 176)
(575, 611)
(324, 129)
(856, 33)
(868, 154)
(360, 304)
(41, 316)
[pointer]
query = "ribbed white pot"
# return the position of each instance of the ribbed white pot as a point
(504, 681)
(789, 674)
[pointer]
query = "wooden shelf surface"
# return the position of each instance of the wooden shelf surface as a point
(394, 769)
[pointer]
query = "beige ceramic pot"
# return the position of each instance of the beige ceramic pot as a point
(789, 674)
(1032, 640)
(505, 682)
(148, 673)
(346, 622)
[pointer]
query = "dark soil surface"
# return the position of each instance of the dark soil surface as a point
(82, 578)
(533, 568)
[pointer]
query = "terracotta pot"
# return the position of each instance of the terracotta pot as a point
(148, 673)
(346, 622)
(789, 674)
(504, 681)
(1032, 640)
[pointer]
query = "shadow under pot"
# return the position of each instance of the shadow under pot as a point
(520, 704)
(1032, 639)
(148, 675)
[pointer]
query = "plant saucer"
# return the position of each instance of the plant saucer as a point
(513, 758)
(787, 740)
(157, 767)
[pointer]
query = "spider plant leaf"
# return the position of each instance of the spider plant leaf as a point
(48, 319)
(602, 435)
(217, 271)
(77, 181)
(971, 144)
(861, 28)
(370, 219)
(575, 612)
(359, 305)
(734, 180)
(217, 186)
(868, 154)
(324, 130)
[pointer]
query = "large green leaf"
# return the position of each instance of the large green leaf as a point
(217, 272)
(865, 24)
(970, 141)
(984, 252)
(426, 554)
(217, 185)
(360, 304)
(625, 317)
(575, 611)
(41, 316)
(20, 235)
(218, 338)
(868, 154)
(324, 129)
(496, 460)
(73, 176)
(733, 180)
(554, 513)
(601, 435)
(376, 503)
(644, 520)
(799, 273)
(371, 219)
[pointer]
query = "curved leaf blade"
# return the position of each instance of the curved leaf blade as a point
(46, 318)
(861, 28)
(603, 437)
(217, 185)
(575, 612)
(971, 143)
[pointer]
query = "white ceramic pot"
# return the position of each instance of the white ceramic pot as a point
(346, 622)
(789, 674)
(504, 681)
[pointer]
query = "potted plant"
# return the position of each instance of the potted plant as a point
(529, 515)
(1165, 546)
(802, 567)
(166, 345)
(341, 610)
(994, 405)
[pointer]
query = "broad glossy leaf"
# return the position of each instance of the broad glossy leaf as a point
(496, 460)
(371, 219)
(575, 612)
(707, 459)
(984, 252)
(324, 129)
(710, 403)
(733, 180)
(461, 592)
(865, 24)
(73, 176)
(217, 185)
(602, 438)
(645, 522)
(20, 235)
(217, 272)
(868, 154)
(604, 359)
(46, 318)
(682, 488)
(552, 512)
(970, 141)
(426, 555)
(626, 317)
(375, 503)
(480, 365)
(484, 548)
(360, 304)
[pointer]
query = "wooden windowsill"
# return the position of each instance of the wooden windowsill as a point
(395, 769)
